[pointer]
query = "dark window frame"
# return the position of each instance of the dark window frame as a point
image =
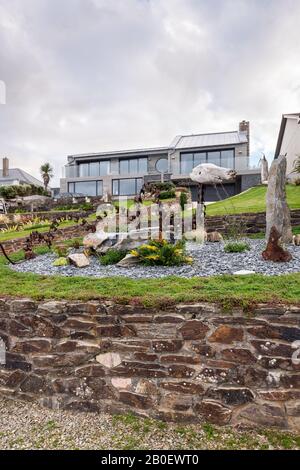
(89, 171)
(207, 152)
(118, 185)
(122, 160)
(86, 181)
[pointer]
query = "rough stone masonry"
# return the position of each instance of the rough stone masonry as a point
(187, 363)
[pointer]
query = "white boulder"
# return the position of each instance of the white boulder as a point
(79, 260)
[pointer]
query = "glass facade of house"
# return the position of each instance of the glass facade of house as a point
(188, 161)
(87, 188)
(133, 166)
(100, 168)
(127, 186)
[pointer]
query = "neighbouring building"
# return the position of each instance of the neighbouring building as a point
(123, 173)
(16, 176)
(288, 142)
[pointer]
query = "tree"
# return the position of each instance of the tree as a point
(46, 173)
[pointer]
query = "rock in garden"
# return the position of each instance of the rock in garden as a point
(128, 261)
(198, 235)
(79, 260)
(243, 272)
(214, 237)
(275, 252)
(277, 211)
(94, 240)
(296, 240)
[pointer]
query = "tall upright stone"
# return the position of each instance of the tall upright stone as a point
(277, 212)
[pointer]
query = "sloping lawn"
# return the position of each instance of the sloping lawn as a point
(253, 200)
(228, 290)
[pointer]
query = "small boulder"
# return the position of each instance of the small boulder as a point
(197, 235)
(296, 240)
(128, 261)
(79, 260)
(214, 237)
(94, 240)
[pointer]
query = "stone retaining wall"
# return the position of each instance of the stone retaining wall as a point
(66, 233)
(188, 363)
(254, 223)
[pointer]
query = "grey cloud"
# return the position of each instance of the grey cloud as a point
(88, 75)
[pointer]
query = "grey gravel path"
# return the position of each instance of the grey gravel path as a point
(28, 426)
(209, 259)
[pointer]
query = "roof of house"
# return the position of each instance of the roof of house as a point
(16, 174)
(209, 140)
(284, 119)
(179, 142)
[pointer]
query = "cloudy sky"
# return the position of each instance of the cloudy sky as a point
(93, 75)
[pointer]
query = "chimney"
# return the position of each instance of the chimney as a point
(244, 126)
(5, 171)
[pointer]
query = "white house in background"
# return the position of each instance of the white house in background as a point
(288, 142)
(16, 176)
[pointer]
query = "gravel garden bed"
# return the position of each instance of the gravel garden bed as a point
(27, 426)
(208, 260)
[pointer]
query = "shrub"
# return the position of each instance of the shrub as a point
(165, 186)
(112, 256)
(62, 261)
(87, 206)
(236, 247)
(60, 251)
(156, 253)
(296, 182)
(13, 191)
(167, 194)
(183, 200)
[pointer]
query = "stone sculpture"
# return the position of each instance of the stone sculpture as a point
(208, 173)
(277, 210)
(264, 169)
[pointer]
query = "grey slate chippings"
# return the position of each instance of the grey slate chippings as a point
(208, 260)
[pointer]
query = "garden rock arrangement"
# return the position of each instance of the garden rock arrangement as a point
(208, 260)
(186, 363)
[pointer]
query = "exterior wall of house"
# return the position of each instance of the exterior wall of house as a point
(291, 144)
(240, 151)
(174, 170)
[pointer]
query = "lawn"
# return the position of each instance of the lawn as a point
(252, 200)
(228, 290)
(12, 235)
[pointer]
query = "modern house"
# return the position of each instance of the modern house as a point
(123, 173)
(16, 176)
(288, 142)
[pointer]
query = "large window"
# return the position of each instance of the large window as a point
(133, 166)
(224, 158)
(127, 187)
(87, 188)
(100, 168)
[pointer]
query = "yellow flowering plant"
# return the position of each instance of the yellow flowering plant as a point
(162, 253)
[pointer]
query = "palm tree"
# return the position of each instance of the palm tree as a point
(46, 173)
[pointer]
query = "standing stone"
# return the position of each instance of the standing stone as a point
(277, 212)
(264, 170)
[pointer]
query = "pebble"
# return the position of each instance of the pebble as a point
(209, 259)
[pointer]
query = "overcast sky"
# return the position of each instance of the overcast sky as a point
(93, 75)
